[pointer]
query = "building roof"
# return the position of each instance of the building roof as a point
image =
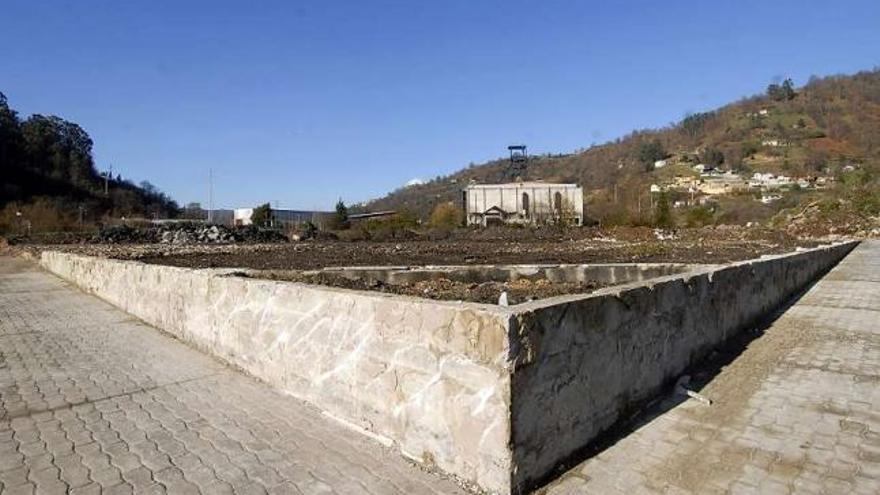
(494, 209)
(516, 185)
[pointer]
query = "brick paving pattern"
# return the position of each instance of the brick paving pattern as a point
(93, 401)
(797, 412)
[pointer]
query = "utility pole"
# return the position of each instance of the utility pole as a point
(210, 195)
(107, 180)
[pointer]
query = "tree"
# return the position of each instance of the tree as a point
(662, 213)
(340, 217)
(649, 152)
(446, 216)
(51, 158)
(193, 211)
(262, 215)
(712, 156)
(782, 92)
(693, 124)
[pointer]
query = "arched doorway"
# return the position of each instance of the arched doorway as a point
(525, 204)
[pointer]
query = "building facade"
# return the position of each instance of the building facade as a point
(523, 203)
(241, 217)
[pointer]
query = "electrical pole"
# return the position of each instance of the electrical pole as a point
(210, 195)
(106, 180)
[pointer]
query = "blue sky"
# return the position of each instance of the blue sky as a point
(305, 102)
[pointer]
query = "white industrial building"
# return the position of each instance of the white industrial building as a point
(524, 203)
(242, 216)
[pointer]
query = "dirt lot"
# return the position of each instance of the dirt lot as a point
(502, 246)
(477, 247)
(518, 291)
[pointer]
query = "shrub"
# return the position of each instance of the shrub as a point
(698, 217)
(397, 227)
(649, 152)
(712, 156)
(446, 216)
(41, 215)
(262, 215)
(340, 217)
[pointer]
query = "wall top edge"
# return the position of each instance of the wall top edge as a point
(502, 311)
(699, 270)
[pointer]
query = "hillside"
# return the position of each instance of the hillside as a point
(826, 126)
(50, 181)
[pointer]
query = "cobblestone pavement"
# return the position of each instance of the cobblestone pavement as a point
(94, 401)
(798, 411)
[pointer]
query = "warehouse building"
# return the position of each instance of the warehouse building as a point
(523, 203)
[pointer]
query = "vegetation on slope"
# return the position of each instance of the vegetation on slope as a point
(828, 126)
(50, 181)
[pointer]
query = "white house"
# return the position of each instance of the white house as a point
(523, 202)
(769, 181)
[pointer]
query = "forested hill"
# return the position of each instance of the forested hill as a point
(48, 172)
(825, 125)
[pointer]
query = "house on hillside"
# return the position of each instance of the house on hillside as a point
(769, 181)
(523, 203)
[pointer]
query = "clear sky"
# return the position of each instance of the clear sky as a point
(304, 102)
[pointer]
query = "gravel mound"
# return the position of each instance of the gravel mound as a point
(182, 234)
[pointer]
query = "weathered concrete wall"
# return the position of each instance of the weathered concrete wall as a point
(496, 395)
(580, 361)
(606, 273)
(429, 375)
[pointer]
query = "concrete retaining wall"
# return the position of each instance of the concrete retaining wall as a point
(495, 395)
(431, 376)
(580, 361)
(606, 273)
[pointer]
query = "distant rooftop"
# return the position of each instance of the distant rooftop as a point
(513, 185)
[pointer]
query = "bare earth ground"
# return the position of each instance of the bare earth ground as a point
(468, 247)
(505, 246)
(518, 291)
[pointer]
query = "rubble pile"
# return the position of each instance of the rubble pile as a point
(183, 234)
(123, 234)
(814, 221)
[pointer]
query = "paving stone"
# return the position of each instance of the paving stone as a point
(103, 402)
(804, 425)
